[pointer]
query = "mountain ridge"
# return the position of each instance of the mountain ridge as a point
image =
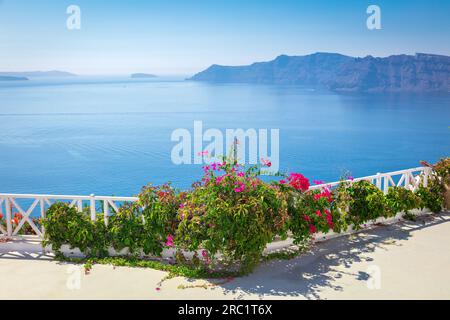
(51, 73)
(11, 78)
(421, 72)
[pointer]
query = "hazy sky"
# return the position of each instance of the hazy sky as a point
(186, 36)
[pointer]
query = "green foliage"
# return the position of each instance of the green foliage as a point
(431, 196)
(65, 225)
(360, 202)
(188, 270)
(441, 179)
(311, 212)
(233, 213)
(160, 215)
(126, 228)
(402, 200)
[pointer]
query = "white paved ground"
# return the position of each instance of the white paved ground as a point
(411, 259)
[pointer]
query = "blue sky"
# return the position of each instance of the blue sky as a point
(186, 36)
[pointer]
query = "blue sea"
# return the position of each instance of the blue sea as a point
(111, 135)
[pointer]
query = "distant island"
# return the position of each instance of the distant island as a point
(34, 74)
(142, 75)
(9, 78)
(337, 72)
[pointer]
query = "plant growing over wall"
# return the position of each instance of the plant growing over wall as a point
(440, 179)
(400, 199)
(233, 212)
(160, 216)
(66, 225)
(431, 196)
(126, 229)
(311, 213)
(360, 202)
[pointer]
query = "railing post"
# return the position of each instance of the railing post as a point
(378, 179)
(106, 211)
(92, 205)
(426, 173)
(8, 217)
(42, 204)
(80, 205)
(407, 179)
(386, 184)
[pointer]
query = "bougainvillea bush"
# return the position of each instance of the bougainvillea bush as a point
(229, 216)
(233, 212)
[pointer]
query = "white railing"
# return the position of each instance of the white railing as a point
(409, 178)
(9, 202)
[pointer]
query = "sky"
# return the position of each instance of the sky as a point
(182, 37)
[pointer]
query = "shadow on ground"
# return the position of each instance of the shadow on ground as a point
(308, 274)
(25, 248)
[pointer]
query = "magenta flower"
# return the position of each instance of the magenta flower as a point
(169, 242)
(240, 188)
(318, 182)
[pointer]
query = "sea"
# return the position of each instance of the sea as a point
(111, 135)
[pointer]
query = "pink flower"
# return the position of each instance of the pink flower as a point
(219, 179)
(298, 181)
(318, 213)
(283, 181)
(307, 218)
(312, 229)
(216, 165)
(169, 242)
(324, 194)
(240, 174)
(240, 187)
(182, 206)
(158, 289)
(318, 182)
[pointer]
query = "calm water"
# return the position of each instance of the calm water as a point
(110, 136)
